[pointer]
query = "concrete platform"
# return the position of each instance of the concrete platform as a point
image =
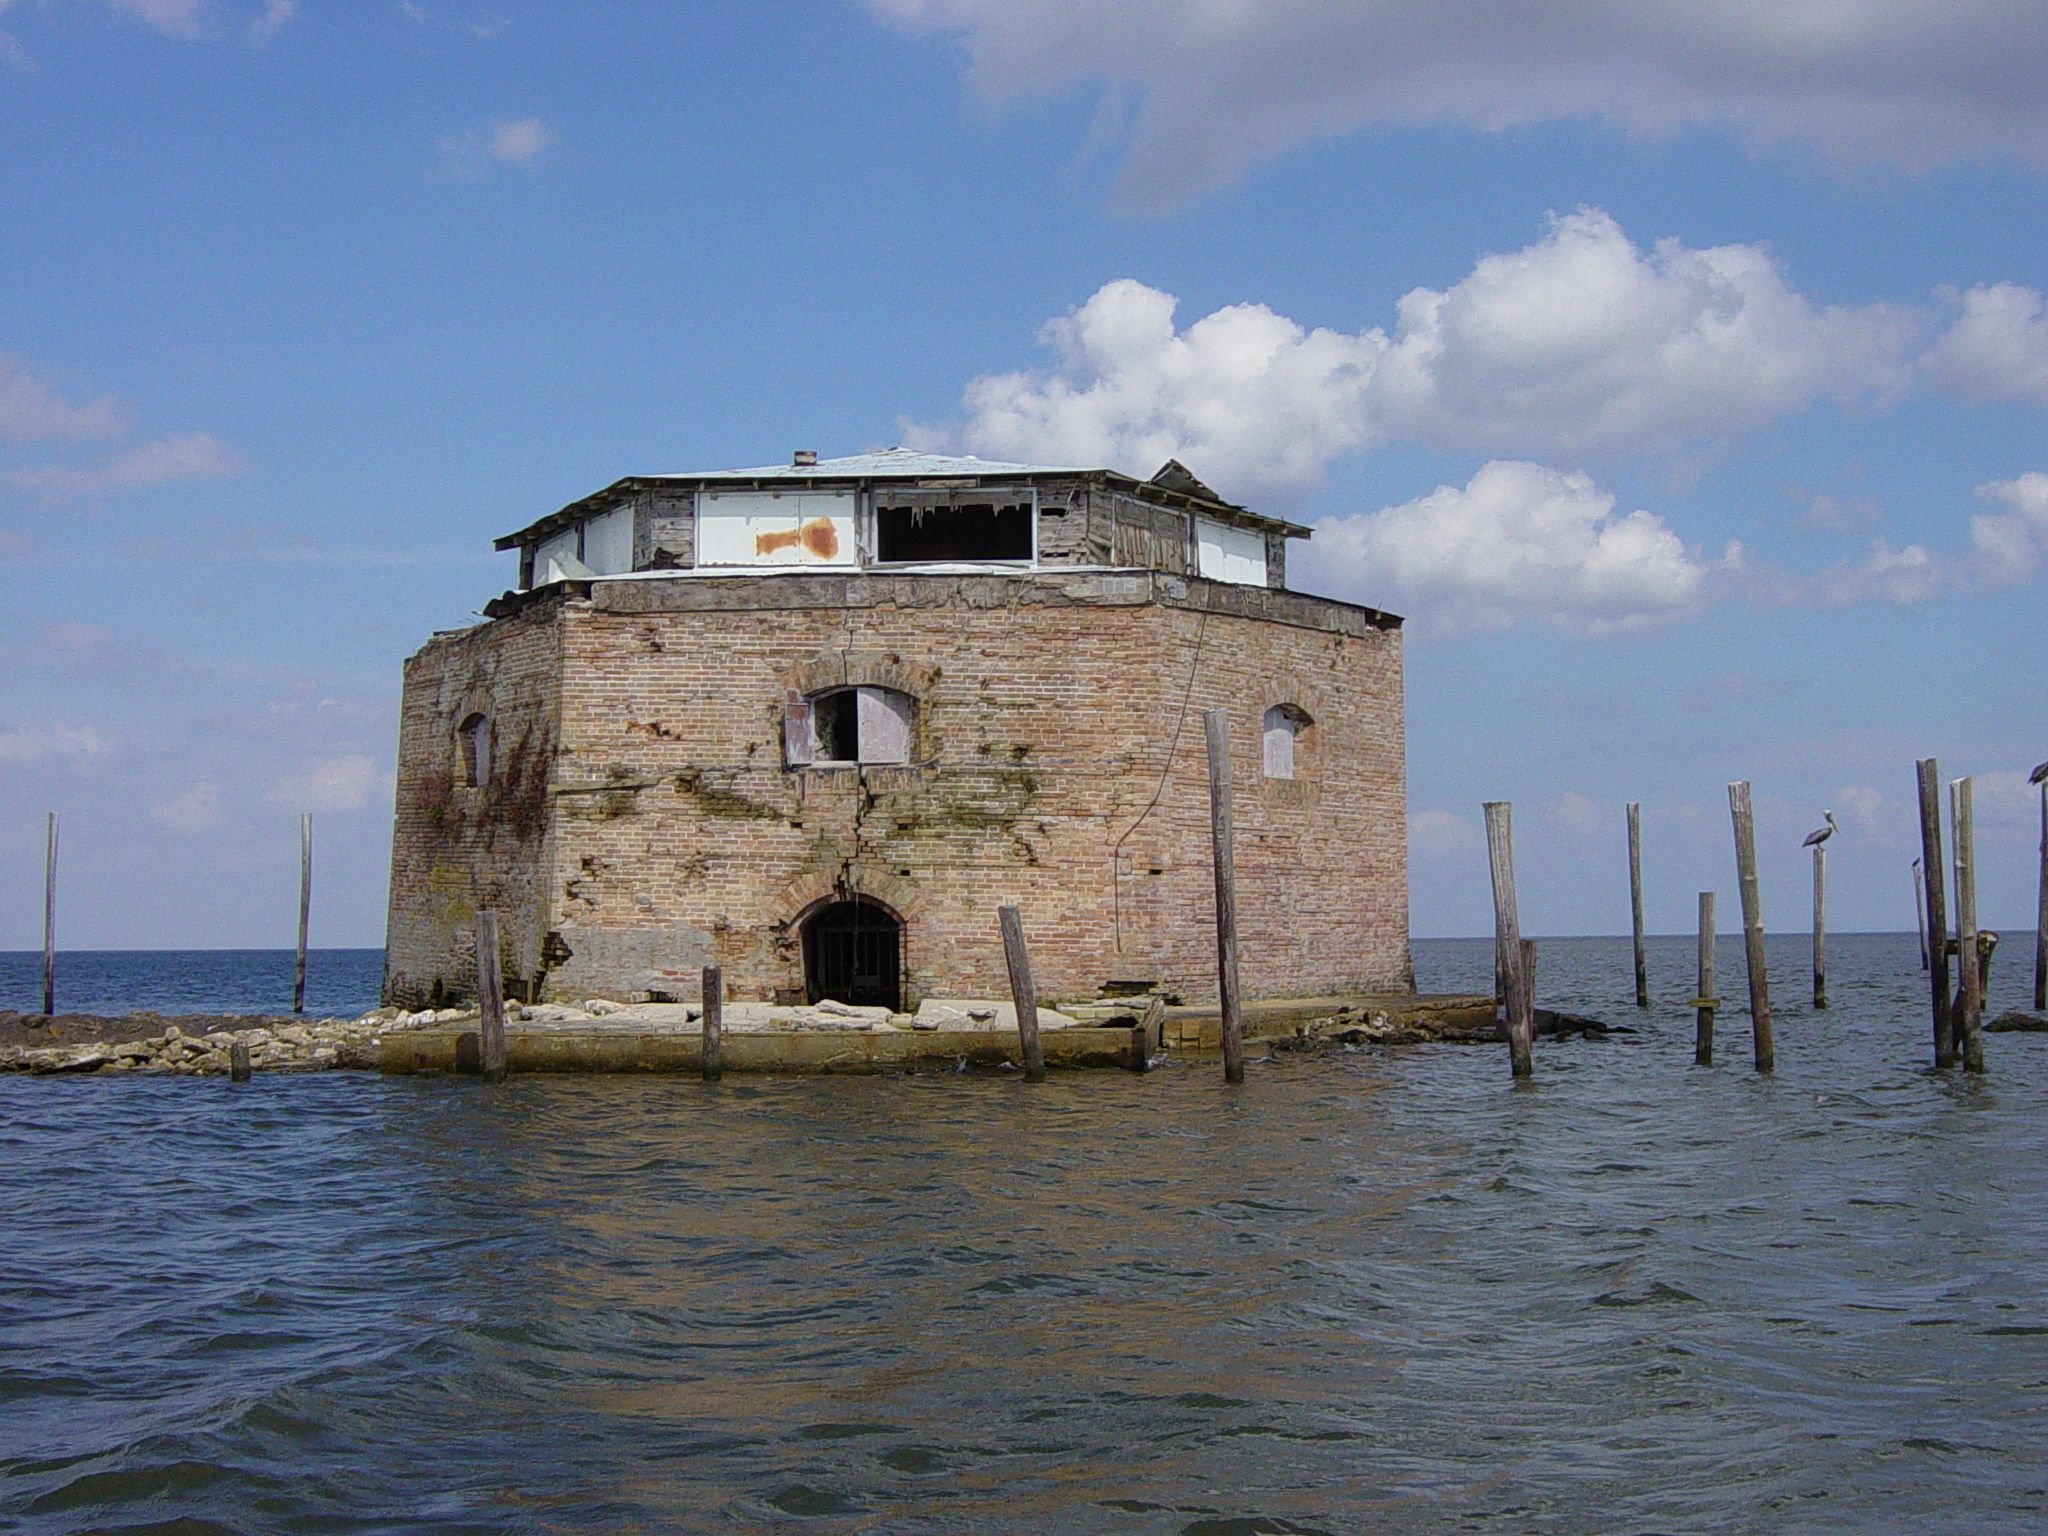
(1113, 1033)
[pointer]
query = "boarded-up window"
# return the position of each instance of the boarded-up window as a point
(856, 725)
(1284, 727)
(775, 528)
(555, 557)
(473, 750)
(1224, 553)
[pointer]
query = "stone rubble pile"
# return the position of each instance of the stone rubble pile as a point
(311, 1046)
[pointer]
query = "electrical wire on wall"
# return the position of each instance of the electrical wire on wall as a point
(1116, 851)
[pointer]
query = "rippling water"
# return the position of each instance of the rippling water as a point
(340, 982)
(1378, 1290)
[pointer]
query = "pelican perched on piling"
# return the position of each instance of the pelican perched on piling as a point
(1820, 835)
(2039, 774)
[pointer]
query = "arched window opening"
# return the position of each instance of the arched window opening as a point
(473, 742)
(1284, 726)
(848, 725)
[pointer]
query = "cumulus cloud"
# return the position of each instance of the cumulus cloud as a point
(31, 408)
(192, 456)
(275, 16)
(173, 18)
(195, 810)
(1519, 542)
(1221, 86)
(1997, 348)
(1579, 814)
(1440, 833)
(342, 783)
(2006, 548)
(510, 141)
(1864, 807)
(1579, 341)
(37, 742)
(1902, 577)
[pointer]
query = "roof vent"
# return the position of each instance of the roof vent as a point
(804, 458)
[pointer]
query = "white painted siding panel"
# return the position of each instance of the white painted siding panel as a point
(608, 542)
(1224, 553)
(763, 528)
(547, 559)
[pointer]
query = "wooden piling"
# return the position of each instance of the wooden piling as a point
(1820, 926)
(1935, 882)
(1635, 901)
(1752, 925)
(1507, 937)
(238, 1062)
(1920, 913)
(50, 916)
(1025, 996)
(305, 910)
(713, 1050)
(1529, 970)
(2041, 916)
(1704, 1001)
(1216, 732)
(490, 996)
(1962, 816)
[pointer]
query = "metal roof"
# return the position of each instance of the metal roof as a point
(899, 462)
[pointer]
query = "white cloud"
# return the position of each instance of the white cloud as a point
(1222, 86)
(1864, 807)
(1440, 834)
(195, 810)
(1519, 542)
(483, 24)
(1579, 814)
(173, 18)
(30, 408)
(1576, 342)
(192, 456)
(510, 141)
(36, 742)
(342, 783)
(2006, 547)
(71, 635)
(275, 16)
(1902, 577)
(1997, 349)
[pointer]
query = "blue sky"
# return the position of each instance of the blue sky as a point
(1683, 380)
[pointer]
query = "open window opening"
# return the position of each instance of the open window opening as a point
(848, 725)
(954, 526)
(473, 750)
(1285, 726)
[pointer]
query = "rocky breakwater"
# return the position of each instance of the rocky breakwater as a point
(189, 1047)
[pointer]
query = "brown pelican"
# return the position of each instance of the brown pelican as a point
(2040, 773)
(1820, 835)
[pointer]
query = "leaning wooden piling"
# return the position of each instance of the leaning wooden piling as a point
(2041, 916)
(1962, 816)
(1216, 734)
(1752, 925)
(1635, 901)
(1507, 938)
(50, 915)
(713, 1015)
(490, 997)
(305, 910)
(1927, 773)
(1820, 926)
(238, 1062)
(1703, 1001)
(1024, 996)
(1920, 913)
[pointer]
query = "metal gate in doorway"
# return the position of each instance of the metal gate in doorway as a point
(853, 953)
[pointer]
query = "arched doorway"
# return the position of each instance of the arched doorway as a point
(853, 953)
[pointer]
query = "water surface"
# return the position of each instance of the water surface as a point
(1376, 1290)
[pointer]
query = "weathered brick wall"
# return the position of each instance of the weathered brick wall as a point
(455, 849)
(1057, 765)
